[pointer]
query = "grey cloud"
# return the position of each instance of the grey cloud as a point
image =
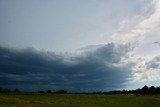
(32, 69)
(154, 63)
(157, 43)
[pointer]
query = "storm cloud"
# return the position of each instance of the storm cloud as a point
(98, 70)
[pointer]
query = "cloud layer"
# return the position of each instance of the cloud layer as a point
(96, 70)
(130, 30)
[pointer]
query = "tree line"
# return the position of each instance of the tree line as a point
(140, 91)
(4, 90)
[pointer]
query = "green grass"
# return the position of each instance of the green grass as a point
(76, 100)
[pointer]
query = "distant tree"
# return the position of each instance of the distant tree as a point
(145, 90)
(41, 92)
(61, 91)
(157, 90)
(1, 90)
(16, 91)
(138, 91)
(8, 91)
(124, 91)
(49, 91)
(4, 90)
(152, 90)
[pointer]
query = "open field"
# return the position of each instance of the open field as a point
(77, 100)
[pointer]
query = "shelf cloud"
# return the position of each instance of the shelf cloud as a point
(96, 70)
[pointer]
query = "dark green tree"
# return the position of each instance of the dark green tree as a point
(16, 91)
(145, 90)
(152, 90)
(49, 91)
(61, 91)
(1, 90)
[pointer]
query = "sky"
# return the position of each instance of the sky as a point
(79, 45)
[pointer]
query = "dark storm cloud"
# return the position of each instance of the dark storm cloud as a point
(89, 71)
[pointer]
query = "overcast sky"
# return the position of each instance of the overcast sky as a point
(79, 45)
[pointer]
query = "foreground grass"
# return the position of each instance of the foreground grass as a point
(76, 100)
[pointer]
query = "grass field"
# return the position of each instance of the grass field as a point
(76, 100)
